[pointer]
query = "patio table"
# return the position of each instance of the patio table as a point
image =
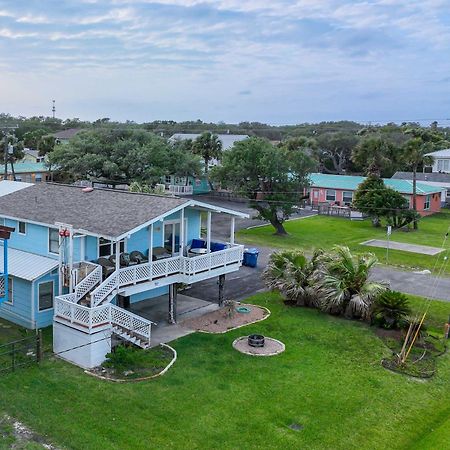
(198, 251)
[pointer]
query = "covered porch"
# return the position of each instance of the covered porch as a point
(158, 310)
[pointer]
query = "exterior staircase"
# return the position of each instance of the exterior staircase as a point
(131, 336)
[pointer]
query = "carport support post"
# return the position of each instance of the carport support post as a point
(221, 289)
(232, 230)
(173, 291)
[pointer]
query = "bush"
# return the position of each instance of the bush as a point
(390, 310)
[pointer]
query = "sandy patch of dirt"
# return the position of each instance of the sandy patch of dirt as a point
(219, 321)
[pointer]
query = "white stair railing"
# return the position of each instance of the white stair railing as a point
(87, 283)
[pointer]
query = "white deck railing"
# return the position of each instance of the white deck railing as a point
(181, 190)
(178, 265)
(101, 317)
(88, 282)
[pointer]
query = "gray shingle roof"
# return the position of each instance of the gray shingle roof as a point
(67, 134)
(102, 212)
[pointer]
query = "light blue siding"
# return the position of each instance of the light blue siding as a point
(149, 294)
(20, 312)
(44, 318)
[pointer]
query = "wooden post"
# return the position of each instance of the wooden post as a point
(208, 232)
(221, 289)
(173, 292)
(39, 346)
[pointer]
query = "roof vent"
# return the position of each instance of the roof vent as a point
(87, 189)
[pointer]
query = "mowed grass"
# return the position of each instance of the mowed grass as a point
(324, 232)
(329, 380)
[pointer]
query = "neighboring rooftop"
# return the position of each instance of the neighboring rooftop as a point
(102, 212)
(440, 153)
(434, 177)
(8, 187)
(227, 140)
(67, 134)
(351, 183)
(28, 167)
(27, 266)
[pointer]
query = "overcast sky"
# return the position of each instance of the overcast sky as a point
(276, 61)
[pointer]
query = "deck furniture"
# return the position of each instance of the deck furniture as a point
(138, 257)
(160, 253)
(198, 251)
(107, 266)
(125, 260)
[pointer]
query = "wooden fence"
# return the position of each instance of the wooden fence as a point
(21, 353)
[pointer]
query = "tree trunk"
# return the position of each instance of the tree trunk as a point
(415, 195)
(206, 165)
(279, 228)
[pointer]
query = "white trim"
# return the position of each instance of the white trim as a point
(219, 209)
(18, 228)
(10, 301)
(172, 222)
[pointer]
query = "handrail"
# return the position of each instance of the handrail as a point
(88, 282)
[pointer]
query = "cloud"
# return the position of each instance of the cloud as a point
(235, 55)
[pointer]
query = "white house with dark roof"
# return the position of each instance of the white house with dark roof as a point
(441, 160)
(80, 257)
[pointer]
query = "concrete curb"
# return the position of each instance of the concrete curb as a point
(136, 380)
(289, 220)
(240, 326)
(283, 347)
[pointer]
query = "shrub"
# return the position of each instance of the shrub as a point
(391, 310)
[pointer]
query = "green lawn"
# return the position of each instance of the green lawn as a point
(329, 380)
(324, 232)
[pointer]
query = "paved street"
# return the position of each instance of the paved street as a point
(247, 281)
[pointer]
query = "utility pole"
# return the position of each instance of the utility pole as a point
(53, 108)
(5, 130)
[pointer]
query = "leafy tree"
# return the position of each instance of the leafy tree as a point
(182, 162)
(208, 146)
(31, 139)
(45, 144)
(334, 151)
(272, 178)
(391, 310)
(378, 201)
(291, 273)
(134, 155)
(375, 155)
(345, 285)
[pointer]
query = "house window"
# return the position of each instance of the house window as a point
(10, 291)
(53, 241)
(347, 197)
(22, 228)
(426, 205)
(168, 179)
(331, 195)
(38, 178)
(45, 295)
(107, 248)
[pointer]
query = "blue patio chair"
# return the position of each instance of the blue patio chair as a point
(198, 243)
(217, 246)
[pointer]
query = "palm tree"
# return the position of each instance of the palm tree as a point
(208, 146)
(344, 283)
(415, 155)
(291, 273)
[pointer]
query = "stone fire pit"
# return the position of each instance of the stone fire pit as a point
(258, 345)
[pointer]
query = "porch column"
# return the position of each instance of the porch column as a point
(70, 260)
(182, 244)
(208, 232)
(60, 264)
(173, 292)
(221, 289)
(150, 244)
(233, 220)
(117, 255)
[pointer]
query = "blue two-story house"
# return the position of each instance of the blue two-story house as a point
(80, 256)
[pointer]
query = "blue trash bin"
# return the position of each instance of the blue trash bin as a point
(250, 257)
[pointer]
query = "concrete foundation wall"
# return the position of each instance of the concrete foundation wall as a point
(84, 350)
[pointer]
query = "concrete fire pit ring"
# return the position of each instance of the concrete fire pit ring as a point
(271, 347)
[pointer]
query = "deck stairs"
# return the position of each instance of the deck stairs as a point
(131, 336)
